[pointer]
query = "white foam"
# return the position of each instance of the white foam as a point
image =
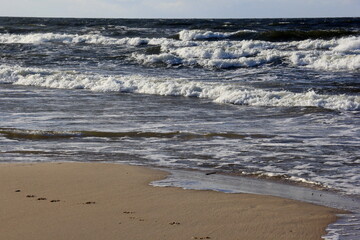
(218, 92)
(330, 55)
(315, 44)
(348, 44)
(336, 62)
(41, 38)
(157, 58)
(220, 54)
(187, 35)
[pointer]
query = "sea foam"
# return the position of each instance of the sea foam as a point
(331, 55)
(218, 92)
(187, 35)
(42, 38)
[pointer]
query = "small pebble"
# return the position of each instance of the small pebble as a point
(30, 196)
(55, 201)
(41, 198)
(18, 190)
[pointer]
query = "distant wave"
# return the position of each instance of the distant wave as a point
(42, 38)
(218, 92)
(184, 35)
(272, 36)
(332, 55)
(187, 35)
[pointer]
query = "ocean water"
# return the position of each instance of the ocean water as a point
(267, 98)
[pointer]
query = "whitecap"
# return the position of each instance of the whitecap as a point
(187, 35)
(218, 92)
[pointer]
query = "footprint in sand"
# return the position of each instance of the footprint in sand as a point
(174, 223)
(128, 212)
(42, 198)
(139, 219)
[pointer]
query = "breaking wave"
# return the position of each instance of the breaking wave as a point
(331, 55)
(218, 92)
(42, 38)
(340, 54)
(292, 35)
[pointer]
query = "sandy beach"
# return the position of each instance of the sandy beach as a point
(107, 201)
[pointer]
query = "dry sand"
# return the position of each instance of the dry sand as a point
(86, 201)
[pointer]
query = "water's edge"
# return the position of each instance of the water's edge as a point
(344, 228)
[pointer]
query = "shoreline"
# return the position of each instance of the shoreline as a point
(227, 183)
(113, 201)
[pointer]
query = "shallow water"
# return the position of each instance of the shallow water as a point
(312, 145)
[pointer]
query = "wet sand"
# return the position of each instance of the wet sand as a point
(108, 201)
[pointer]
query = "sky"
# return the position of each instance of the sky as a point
(180, 8)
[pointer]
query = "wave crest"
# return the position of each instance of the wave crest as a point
(331, 55)
(334, 55)
(42, 38)
(218, 92)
